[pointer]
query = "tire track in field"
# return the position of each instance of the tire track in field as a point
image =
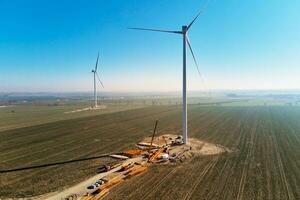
(144, 182)
(214, 121)
(247, 162)
(149, 184)
(280, 164)
(220, 187)
(84, 152)
(76, 157)
(163, 180)
(106, 119)
(229, 186)
(291, 126)
(224, 173)
(81, 144)
(58, 126)
(266, 149)
(40, 172)
(75, 140)
(70, 150)
(281, 170)
(210, 165)
(57, 118)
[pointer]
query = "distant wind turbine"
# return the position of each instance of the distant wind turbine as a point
(183, 32)
(96, 76)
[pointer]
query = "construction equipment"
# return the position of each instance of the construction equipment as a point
(157, 154)
(153, 135)
(103, 168)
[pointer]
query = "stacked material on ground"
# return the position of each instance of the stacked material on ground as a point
(133, 167)
(149, 151)
(132, 162)
(82, 189)
(133, 152)
(162, 140)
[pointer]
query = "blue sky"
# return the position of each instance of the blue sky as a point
(52, 45)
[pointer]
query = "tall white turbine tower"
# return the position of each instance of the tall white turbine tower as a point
(183, 32)
(96, 76)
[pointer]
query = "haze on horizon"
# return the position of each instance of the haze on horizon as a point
(52, 46)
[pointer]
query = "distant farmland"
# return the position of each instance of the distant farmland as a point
(17, 116)
(264, 163)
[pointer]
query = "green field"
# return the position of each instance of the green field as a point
(17, 116)
(264, 163)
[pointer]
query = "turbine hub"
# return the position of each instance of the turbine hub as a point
(184, 29)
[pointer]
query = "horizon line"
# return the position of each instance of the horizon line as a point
(171, 91)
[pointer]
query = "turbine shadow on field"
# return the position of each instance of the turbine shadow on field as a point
(52, 164)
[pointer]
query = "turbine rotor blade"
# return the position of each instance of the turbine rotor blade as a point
(199, 13)
(99, 79)
(189, 26)
(156, 30)
(192, 52)
(97, 62)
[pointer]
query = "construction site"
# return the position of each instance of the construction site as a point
(166, 149)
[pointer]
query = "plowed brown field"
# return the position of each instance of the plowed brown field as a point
(264, 162)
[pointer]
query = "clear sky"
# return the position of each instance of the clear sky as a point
(51, 45)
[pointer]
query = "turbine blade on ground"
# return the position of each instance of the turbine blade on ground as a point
(156, 30)
(99, 79)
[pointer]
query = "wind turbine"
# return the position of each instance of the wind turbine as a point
(96, 76)
(184, 30)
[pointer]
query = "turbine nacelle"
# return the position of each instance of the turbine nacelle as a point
(184, 29)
